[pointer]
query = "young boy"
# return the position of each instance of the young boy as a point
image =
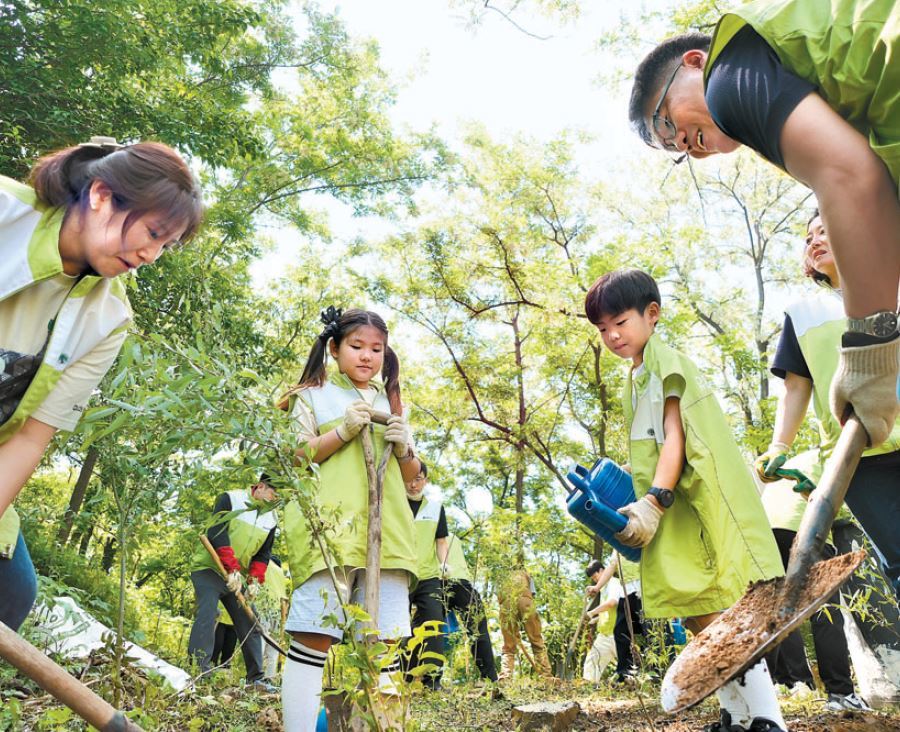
(697, 515)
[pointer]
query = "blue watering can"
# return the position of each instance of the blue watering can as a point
(596, 496)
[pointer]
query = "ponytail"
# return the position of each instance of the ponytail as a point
(390, 372)
(147, 177)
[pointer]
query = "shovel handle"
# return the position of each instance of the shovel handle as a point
(380, 417)
(824, 503)
(61, 684)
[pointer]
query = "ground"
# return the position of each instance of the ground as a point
(219, 706)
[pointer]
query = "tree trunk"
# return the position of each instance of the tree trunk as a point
(78, 493)
(85, 539)
(109, 554)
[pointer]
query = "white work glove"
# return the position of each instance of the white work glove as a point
(252, 589)
(867, 379)
(233, 581)
(397, 433)
(357, 416)
(643, 520)
(771, 460)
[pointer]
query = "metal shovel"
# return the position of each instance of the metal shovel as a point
(771, 609)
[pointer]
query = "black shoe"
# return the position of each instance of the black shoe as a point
(761, 724)
(724, 724)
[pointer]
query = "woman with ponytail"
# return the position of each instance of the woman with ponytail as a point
(329, 409)
(87, 214)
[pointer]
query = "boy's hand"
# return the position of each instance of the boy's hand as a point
(770, 461)
(643, 520)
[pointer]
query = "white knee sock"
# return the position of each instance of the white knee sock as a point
(301, 687)
(750, 696)
(387, 678)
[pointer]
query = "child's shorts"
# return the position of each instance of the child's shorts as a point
(309, 609)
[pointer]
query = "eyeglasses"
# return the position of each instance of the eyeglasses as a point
(665, 131)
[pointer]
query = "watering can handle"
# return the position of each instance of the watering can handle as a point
(578, 477)
(612, 519)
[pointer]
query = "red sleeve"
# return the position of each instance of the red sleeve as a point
(257, 572)
(229, 561)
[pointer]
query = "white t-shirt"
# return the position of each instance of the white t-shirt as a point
(24, 323)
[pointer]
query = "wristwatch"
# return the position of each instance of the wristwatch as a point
(882, 324)
(665, 497)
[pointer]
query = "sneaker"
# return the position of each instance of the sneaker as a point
(840, 702)
(261, 686)
(761, 724)
(724, 724)
(800, 691)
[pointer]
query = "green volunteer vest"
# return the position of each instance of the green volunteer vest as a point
(342, 488)
(247, 532)
(715, 538)
(849, 49)
(456, 560)
(95, 308)
(274, 589)
(426, 521)
(819, 322)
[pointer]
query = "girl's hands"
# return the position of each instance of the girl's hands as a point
(357, 416)
(397, 433)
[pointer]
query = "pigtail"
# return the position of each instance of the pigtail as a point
(314, 372)
(390, 372)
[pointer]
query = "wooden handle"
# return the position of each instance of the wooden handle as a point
(824, 503)
(239, 596)
(373, 530)
(62, 685)
(380, 417)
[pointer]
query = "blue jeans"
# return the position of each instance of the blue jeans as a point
(874, 499)
(18, 586)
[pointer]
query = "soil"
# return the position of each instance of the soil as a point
(726, 648)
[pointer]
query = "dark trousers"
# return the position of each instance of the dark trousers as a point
(874, 498)
(226, 642)
(625, 664)
(788, 664)
(426, 603)
(209, 589)
(463, 599)
(18, 586)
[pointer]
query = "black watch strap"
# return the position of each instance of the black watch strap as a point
(665, 497)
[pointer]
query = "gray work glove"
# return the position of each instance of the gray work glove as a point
(866, 378)
(357, 416)
(643, 520)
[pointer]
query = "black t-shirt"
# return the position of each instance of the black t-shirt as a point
(750, 94)
(788, 356)
(442, 531)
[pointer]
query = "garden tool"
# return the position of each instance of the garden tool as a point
(242, 601)
(570, 651)
(772, 609)
(62, 685)
(375, 479)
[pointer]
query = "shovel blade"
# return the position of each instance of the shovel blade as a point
(747, 631)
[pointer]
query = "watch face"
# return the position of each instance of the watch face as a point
(884, 325)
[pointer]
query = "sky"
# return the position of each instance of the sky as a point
(449, 74)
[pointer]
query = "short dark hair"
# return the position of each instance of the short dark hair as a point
(650, 74)
(594, 567)
(264, 478)
(618, 291)
(423, 469)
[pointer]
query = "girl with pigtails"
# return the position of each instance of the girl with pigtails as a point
(88, 214)
(329, 408)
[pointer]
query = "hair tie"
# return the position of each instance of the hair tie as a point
(107, 144)
(330, 316)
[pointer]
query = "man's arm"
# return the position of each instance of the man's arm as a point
(19, 456)
(857, 199)
(605, 576)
